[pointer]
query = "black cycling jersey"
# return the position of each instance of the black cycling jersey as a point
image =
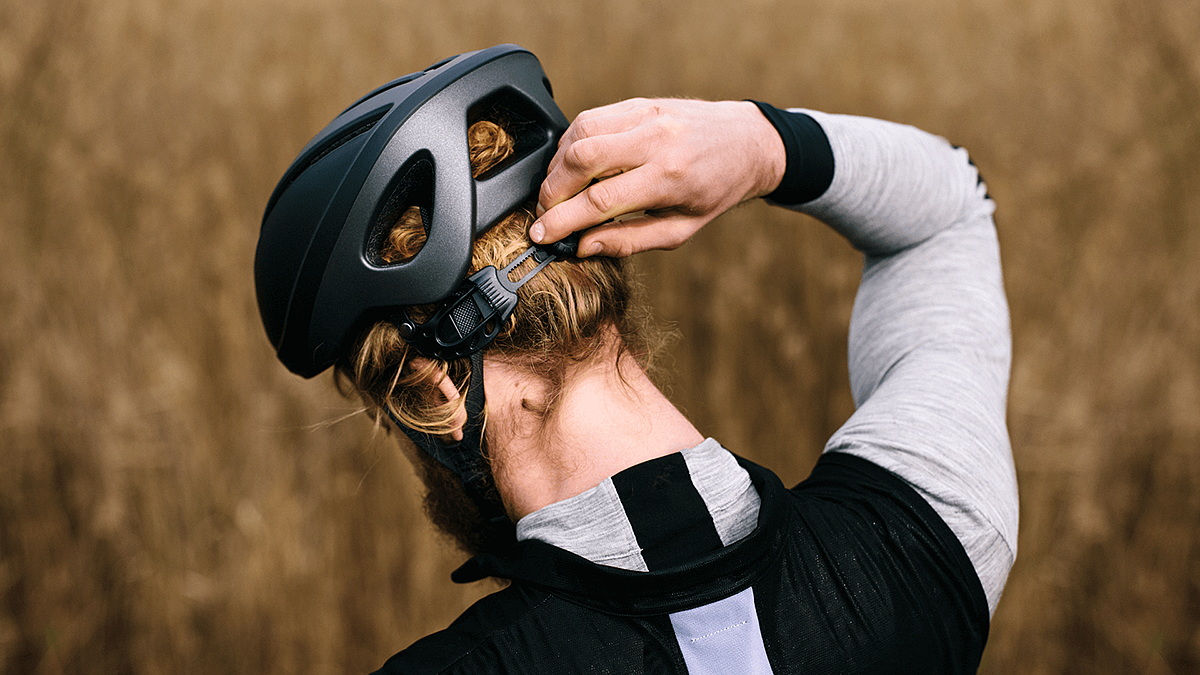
(851, 571)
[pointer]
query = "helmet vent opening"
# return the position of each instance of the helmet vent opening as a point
(519, 117)
(325, 149)
(409, 193)
(349, 134)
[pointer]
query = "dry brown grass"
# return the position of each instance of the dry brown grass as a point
(169, 501)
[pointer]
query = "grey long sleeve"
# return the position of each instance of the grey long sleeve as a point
(930, 345)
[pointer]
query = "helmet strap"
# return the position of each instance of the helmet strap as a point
(466, 458)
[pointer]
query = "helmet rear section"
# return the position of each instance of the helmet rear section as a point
(318, 274)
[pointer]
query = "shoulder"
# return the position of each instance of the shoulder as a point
(456, 647)
(527, 630)
(864, 508)
(915, 596)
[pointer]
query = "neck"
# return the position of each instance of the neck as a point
(605, 421)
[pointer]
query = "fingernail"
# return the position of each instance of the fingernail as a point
(593, 248)
(537, 232)
(539, 210)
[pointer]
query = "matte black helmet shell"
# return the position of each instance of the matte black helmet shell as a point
(316, 270)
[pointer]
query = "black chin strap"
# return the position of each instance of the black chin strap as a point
(466, 458)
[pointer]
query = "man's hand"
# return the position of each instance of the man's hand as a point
(662, 168)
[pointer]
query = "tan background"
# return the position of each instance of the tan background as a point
(172, 501)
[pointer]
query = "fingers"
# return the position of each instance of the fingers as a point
(598, 171)
(609, 119)
(640, 233)
(585, 159)
(598, 203)
(683, 162)
(599, 143)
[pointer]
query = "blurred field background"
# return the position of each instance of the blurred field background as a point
(173, 501)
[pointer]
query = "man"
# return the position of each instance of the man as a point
(641, 546)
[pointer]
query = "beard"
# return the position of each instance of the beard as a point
(449, 508)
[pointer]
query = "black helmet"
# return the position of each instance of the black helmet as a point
(317, 272)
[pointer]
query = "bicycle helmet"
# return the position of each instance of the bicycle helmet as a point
(318, 275)
(317, 272)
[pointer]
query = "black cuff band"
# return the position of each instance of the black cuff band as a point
(809, 169)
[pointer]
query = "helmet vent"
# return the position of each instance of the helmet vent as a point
(345, 137)
(412, 186)
(323, 151)
(519, 118)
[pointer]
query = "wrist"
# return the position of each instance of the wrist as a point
(809, 157)
(769, 156)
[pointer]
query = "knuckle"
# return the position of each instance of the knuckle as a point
(601, 198)
(614, 248)
(580, 154)
(674, 168)
(587, 127)
(551, 188)
(683, 230)
(673, 129)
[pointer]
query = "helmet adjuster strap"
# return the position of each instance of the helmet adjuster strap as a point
(473, 315)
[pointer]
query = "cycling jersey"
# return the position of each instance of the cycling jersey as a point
(851, 571)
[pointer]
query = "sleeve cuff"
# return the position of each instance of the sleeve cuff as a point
(809, 171)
